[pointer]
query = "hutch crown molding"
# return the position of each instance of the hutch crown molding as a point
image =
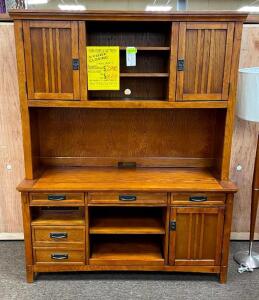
(128, 182)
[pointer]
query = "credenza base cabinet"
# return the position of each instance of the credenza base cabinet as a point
(134, 179)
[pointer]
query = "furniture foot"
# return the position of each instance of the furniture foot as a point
(223, 275)
(30, 274)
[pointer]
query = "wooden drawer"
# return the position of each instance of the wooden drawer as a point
(58, 235)
(59, 256)
(198, 199)
(55, 199)
(125, 198)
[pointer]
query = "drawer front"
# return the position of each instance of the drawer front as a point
(198, 199)
(49, 235)
(125, 198)
(59, 256)
(55, 199)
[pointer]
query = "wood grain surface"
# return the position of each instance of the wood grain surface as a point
(11, 152)
(244, 145)
(243, 151)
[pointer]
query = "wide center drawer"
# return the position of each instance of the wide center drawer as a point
(127, 198)
(55, 235)
(55, 199)
(59, 256)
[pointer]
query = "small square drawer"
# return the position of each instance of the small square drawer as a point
(55, 235)
(198, 199)
(55, 199)
(59, 256)
(127, 198)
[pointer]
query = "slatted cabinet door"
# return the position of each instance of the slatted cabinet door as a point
(51, 48)
(204, 61)
(197, 237)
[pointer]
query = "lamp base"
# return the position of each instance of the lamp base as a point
(250, 260)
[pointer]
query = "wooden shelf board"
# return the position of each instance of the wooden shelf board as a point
(126, 251)
(58, 218)
(126, 225)
(144, 74)
(114, 179)
(147, 48)
(128, 104)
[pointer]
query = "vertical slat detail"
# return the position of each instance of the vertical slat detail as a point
(173, 61)
(28, 59)
(82, 57)
(58, 60)
(195, 238)
(212, 45)
(172, 246)
(201, 236)
(51, 53)
(228, 55)
(75, 54)
(45, 60)
(197, 68)
(189, 237)
(205, 60)
(181, 55)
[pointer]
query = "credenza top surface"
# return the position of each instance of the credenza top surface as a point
(113, 179)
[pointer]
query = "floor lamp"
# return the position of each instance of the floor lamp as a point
(248, 109)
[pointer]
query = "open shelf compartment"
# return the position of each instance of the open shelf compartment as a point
(152, 41)
(129, 220)
(126, 250)
(44, 216)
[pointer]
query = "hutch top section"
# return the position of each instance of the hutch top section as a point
(181, 57)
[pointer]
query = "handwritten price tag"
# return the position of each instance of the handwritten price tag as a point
(103, 67)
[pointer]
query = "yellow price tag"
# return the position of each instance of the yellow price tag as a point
(103, 67)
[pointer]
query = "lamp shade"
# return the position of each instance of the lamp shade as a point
(248, 94)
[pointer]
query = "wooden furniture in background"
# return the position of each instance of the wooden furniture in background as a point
(159, 157)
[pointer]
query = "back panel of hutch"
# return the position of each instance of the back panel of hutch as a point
(119, 181)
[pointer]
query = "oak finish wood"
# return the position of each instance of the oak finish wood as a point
(76, 146)
(136, 180)
(10, 131)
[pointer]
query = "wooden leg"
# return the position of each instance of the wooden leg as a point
(226, 239)
(29, 274)
(223, 275)
(27, 236)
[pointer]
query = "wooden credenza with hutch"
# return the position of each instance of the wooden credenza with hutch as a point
(128, 182)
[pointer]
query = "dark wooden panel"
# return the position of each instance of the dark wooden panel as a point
(141, 89)
(128, 34)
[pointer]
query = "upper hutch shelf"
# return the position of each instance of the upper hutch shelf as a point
(182, 57)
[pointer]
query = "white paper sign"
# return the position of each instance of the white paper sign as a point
(131, 56)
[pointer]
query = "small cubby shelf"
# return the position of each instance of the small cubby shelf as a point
(116, 220)
(45, 216)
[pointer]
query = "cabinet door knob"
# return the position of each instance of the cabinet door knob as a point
(58, 235)
(198, 198)
(127, 197)
(59, 256)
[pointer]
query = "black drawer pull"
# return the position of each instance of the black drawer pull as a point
(56, 197)
(58, 235)
(198, 198)
(127, 197)
(59, 256)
